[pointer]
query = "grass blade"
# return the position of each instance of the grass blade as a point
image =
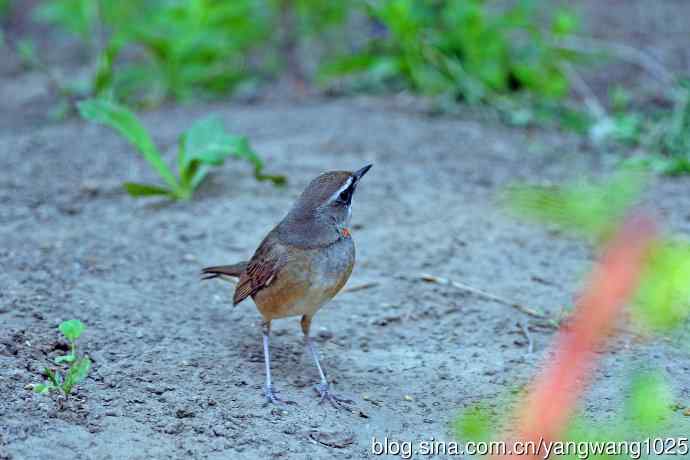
(65, 359)
(76, 374)
(244, 150)
(128, 125)
(41, 388)
(143, 190)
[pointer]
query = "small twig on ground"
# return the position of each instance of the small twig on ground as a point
(361, 287)
(591, 101)
(524, 328)
(478, 292)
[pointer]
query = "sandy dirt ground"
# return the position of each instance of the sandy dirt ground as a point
(178, 372)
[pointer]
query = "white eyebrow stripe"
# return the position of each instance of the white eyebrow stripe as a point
(344, 187)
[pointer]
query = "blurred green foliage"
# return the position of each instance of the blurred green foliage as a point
(4, 8)
(594, 210)
(511, 55)
(645, 412)
(663, 298)
(586, 208)
(467, 48)
(149, 50)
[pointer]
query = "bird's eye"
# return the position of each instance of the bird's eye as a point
(346, 195)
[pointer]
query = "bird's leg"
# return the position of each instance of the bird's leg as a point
(323, 387)
(270, 392)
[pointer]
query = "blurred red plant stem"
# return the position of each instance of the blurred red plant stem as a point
(545, 412)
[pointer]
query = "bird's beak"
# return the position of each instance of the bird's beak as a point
(361, 172)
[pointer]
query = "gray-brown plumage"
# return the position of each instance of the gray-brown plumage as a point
(302, 263)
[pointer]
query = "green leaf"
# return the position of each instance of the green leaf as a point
(350, 64)
(277, 179)
(103, 80)
(142, 190)
(193, 175)
(77, 373)
(65, 359)
(475, 425)
(565, 22)
(663, 297)
(244, 150)
(206, 144)
(4, 8)
(72, 329)
(585, 208)
(676, 166)
(42, 388)
(128, 125)
(649, 402)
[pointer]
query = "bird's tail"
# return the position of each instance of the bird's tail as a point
(233, 271)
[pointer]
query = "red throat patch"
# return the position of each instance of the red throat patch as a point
(345, 232)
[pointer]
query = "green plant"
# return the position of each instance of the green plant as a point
(5, 10)
(193, 47)
(595, 210)
(72, 330)
(465, 48)
(78, 366)
(203, 146)
(175, 49)
(583, 207)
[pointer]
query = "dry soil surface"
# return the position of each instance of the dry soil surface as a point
(178, 371)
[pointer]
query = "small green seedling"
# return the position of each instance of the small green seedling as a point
(204, 145)
(71, 329)
(78, 366)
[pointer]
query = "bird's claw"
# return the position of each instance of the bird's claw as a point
(272, 397)
(323, 389)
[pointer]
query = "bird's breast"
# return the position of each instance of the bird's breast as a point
(310, 279)
(330, 264)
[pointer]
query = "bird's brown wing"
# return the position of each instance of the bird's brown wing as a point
(267, 261)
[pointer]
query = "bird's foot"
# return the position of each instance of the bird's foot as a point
(272, 397)
(323, 389)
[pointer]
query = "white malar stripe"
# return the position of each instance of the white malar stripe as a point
(340, 190)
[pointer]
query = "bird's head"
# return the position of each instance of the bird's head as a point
(328, 198)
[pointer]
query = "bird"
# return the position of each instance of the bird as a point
(301, 264)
